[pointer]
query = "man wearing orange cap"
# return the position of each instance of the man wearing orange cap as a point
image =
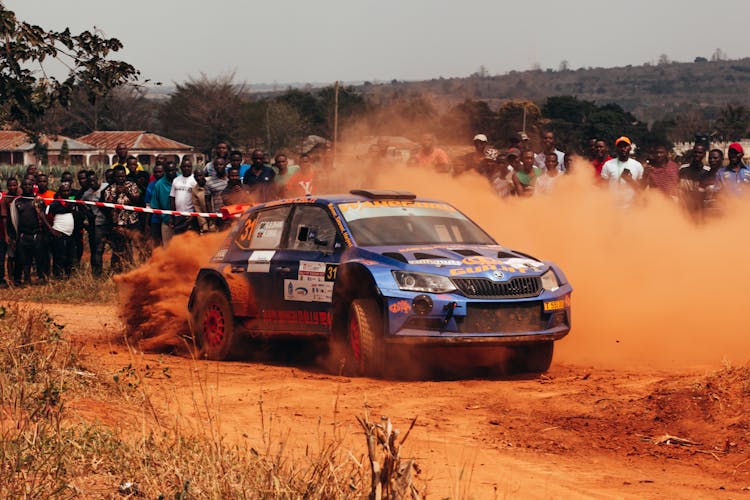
(623, 173)
(735, 177)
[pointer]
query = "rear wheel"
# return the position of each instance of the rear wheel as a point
(365, 338)
(213, 325)
(535, 358)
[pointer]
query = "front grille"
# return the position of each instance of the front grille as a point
(518, 287)
(502, 318)
(490, 318)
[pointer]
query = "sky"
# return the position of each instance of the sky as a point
(283, 41)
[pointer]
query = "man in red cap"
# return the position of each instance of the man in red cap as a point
(735, 177)
(623, 173)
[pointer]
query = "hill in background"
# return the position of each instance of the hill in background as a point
(650, 92)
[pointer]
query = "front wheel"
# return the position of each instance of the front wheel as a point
(365, 338)
(213, 324)
(535, 358)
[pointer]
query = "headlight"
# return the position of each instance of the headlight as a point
(420, 282)
(549, 281)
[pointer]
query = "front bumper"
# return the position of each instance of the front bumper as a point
(457, 320)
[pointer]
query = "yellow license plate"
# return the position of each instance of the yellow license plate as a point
(554, 305)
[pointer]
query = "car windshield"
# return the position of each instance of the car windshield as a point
(409, 222)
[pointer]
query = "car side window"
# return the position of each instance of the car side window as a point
(312, 229)
(263, 230)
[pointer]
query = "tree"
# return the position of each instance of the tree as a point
(203, 111)
(663, 59)
(64, 152)
(718, 55)
(687, 124)
(510, 120)
(733, 122)
(124, 108)
(25, 96)
(564, 65)
(481, 72)
(575, 122)
(467, 119)
(284, 125)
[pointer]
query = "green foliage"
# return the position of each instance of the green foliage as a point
(24, 96)
(203, 111)
(64, 149)
(733, 122)
(575, 122)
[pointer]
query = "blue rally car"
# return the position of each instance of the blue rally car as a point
(374, 269)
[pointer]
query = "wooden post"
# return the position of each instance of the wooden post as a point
(335, 121)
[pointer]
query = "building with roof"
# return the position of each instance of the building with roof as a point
(17, 149)
(143, 145)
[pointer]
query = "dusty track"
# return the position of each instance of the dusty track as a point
(577, 432)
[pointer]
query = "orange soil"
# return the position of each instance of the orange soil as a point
(577, 432)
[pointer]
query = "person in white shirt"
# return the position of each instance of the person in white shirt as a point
(549, 146)
(181, 197)
(545, 183)
(623, 173)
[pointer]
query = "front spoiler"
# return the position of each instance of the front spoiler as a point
(462, 339)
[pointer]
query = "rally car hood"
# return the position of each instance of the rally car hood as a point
(492, 261)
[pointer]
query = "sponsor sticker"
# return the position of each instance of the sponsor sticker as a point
(269, 230)
(322, 318)
(312, 271)
(436, 262)
(219, 256)
(297, 290)
(523, 263)
(322, 291)
(400, 307)
(260, 261)
(308, 291)
(317, 271)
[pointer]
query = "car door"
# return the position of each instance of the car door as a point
(306, 269)
(257, 245)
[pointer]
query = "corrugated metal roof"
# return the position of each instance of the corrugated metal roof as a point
(137, 140)
(10, 140)
(55, 142)
(14, 140)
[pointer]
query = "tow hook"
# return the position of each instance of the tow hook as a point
(448, 308)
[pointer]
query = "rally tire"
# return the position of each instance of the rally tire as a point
(215, 333)
(365, 338)
(536, 357)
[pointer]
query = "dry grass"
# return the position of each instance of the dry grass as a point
(46, 452)
(81, 287)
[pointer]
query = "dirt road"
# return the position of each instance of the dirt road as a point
(576, 432)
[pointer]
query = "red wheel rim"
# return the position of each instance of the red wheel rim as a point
(213, 325)
(355, 340)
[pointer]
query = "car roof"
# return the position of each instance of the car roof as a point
(325, 199)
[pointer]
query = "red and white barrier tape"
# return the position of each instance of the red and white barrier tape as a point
(146, 210)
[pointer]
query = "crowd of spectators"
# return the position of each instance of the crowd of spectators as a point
(39, 231)
(697, 180)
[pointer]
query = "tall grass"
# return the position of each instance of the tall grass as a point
(46, 452)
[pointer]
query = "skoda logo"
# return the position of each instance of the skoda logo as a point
(498, 275)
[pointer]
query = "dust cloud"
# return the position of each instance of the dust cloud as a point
(651, 288)
(154, 296)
